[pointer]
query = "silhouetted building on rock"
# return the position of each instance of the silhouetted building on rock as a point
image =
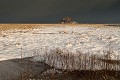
(67, 20)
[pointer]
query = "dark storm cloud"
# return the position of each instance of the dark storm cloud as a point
(50, 10)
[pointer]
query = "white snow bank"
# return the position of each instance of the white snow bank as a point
(32, 42)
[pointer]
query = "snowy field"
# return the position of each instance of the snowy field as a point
(103, 41)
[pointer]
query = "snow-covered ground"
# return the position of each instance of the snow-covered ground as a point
(36, 41)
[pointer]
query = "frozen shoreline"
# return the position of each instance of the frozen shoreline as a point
(35, 41)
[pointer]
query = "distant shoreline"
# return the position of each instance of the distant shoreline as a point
(11, 26)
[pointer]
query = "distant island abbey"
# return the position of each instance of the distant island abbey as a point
(67, 20)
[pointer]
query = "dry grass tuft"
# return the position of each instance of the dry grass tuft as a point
(61, 59)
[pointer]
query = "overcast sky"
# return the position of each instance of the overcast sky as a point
(50, 11)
